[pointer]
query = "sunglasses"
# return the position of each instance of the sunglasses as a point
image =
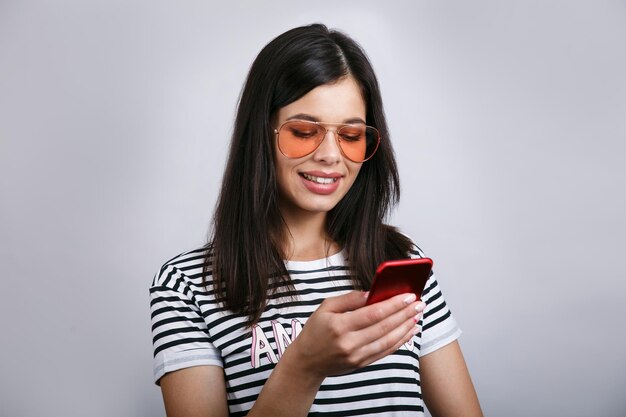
(297, 138)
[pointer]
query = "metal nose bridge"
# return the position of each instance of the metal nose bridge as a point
(335, 135)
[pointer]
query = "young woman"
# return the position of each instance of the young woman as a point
(269, 319)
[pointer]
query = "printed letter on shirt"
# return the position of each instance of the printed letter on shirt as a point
(282, 338)
(260, 345)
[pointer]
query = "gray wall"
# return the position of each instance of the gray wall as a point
(508, 119)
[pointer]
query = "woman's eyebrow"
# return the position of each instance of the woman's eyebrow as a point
(354, 120)
(304, 116)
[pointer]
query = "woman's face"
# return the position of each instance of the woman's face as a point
(316, 182)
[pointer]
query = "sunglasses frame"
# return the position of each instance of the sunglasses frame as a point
(336, 135)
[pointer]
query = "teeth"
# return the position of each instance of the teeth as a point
(319, 180)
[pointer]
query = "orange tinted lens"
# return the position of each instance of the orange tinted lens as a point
(299, 138)
(358, 142)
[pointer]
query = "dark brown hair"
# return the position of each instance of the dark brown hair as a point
(244, 253)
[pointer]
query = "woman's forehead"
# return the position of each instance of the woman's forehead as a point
(341, 101)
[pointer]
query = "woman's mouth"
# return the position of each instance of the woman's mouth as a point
(321, 184)
(319, 180)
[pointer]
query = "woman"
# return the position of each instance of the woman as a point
(269, 318)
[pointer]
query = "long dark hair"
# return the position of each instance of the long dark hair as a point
(244, 254)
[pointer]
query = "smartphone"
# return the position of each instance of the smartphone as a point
(401, 276)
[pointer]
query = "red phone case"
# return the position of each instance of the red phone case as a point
(401, 276)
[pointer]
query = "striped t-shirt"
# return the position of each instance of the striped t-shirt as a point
(190, 328)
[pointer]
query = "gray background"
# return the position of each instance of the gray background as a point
(509, 123)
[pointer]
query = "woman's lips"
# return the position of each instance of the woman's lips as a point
(320, 183)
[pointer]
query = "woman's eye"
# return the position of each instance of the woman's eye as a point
(351, 135)
(303, 133)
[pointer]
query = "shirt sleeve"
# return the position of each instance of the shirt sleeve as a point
(439, 327)
(179, 333)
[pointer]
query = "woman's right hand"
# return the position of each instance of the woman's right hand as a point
(343, 334)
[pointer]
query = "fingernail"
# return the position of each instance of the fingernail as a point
(366, 294)
(416, 330)
(417, 317)
(421, 306)
(408, 300)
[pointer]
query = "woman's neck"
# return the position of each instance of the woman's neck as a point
(305, 237)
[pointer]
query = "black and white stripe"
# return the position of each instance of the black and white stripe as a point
(190, 328)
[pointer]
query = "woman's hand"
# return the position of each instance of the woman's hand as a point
(344, 334)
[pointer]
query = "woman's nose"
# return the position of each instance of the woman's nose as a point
(329, 150)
